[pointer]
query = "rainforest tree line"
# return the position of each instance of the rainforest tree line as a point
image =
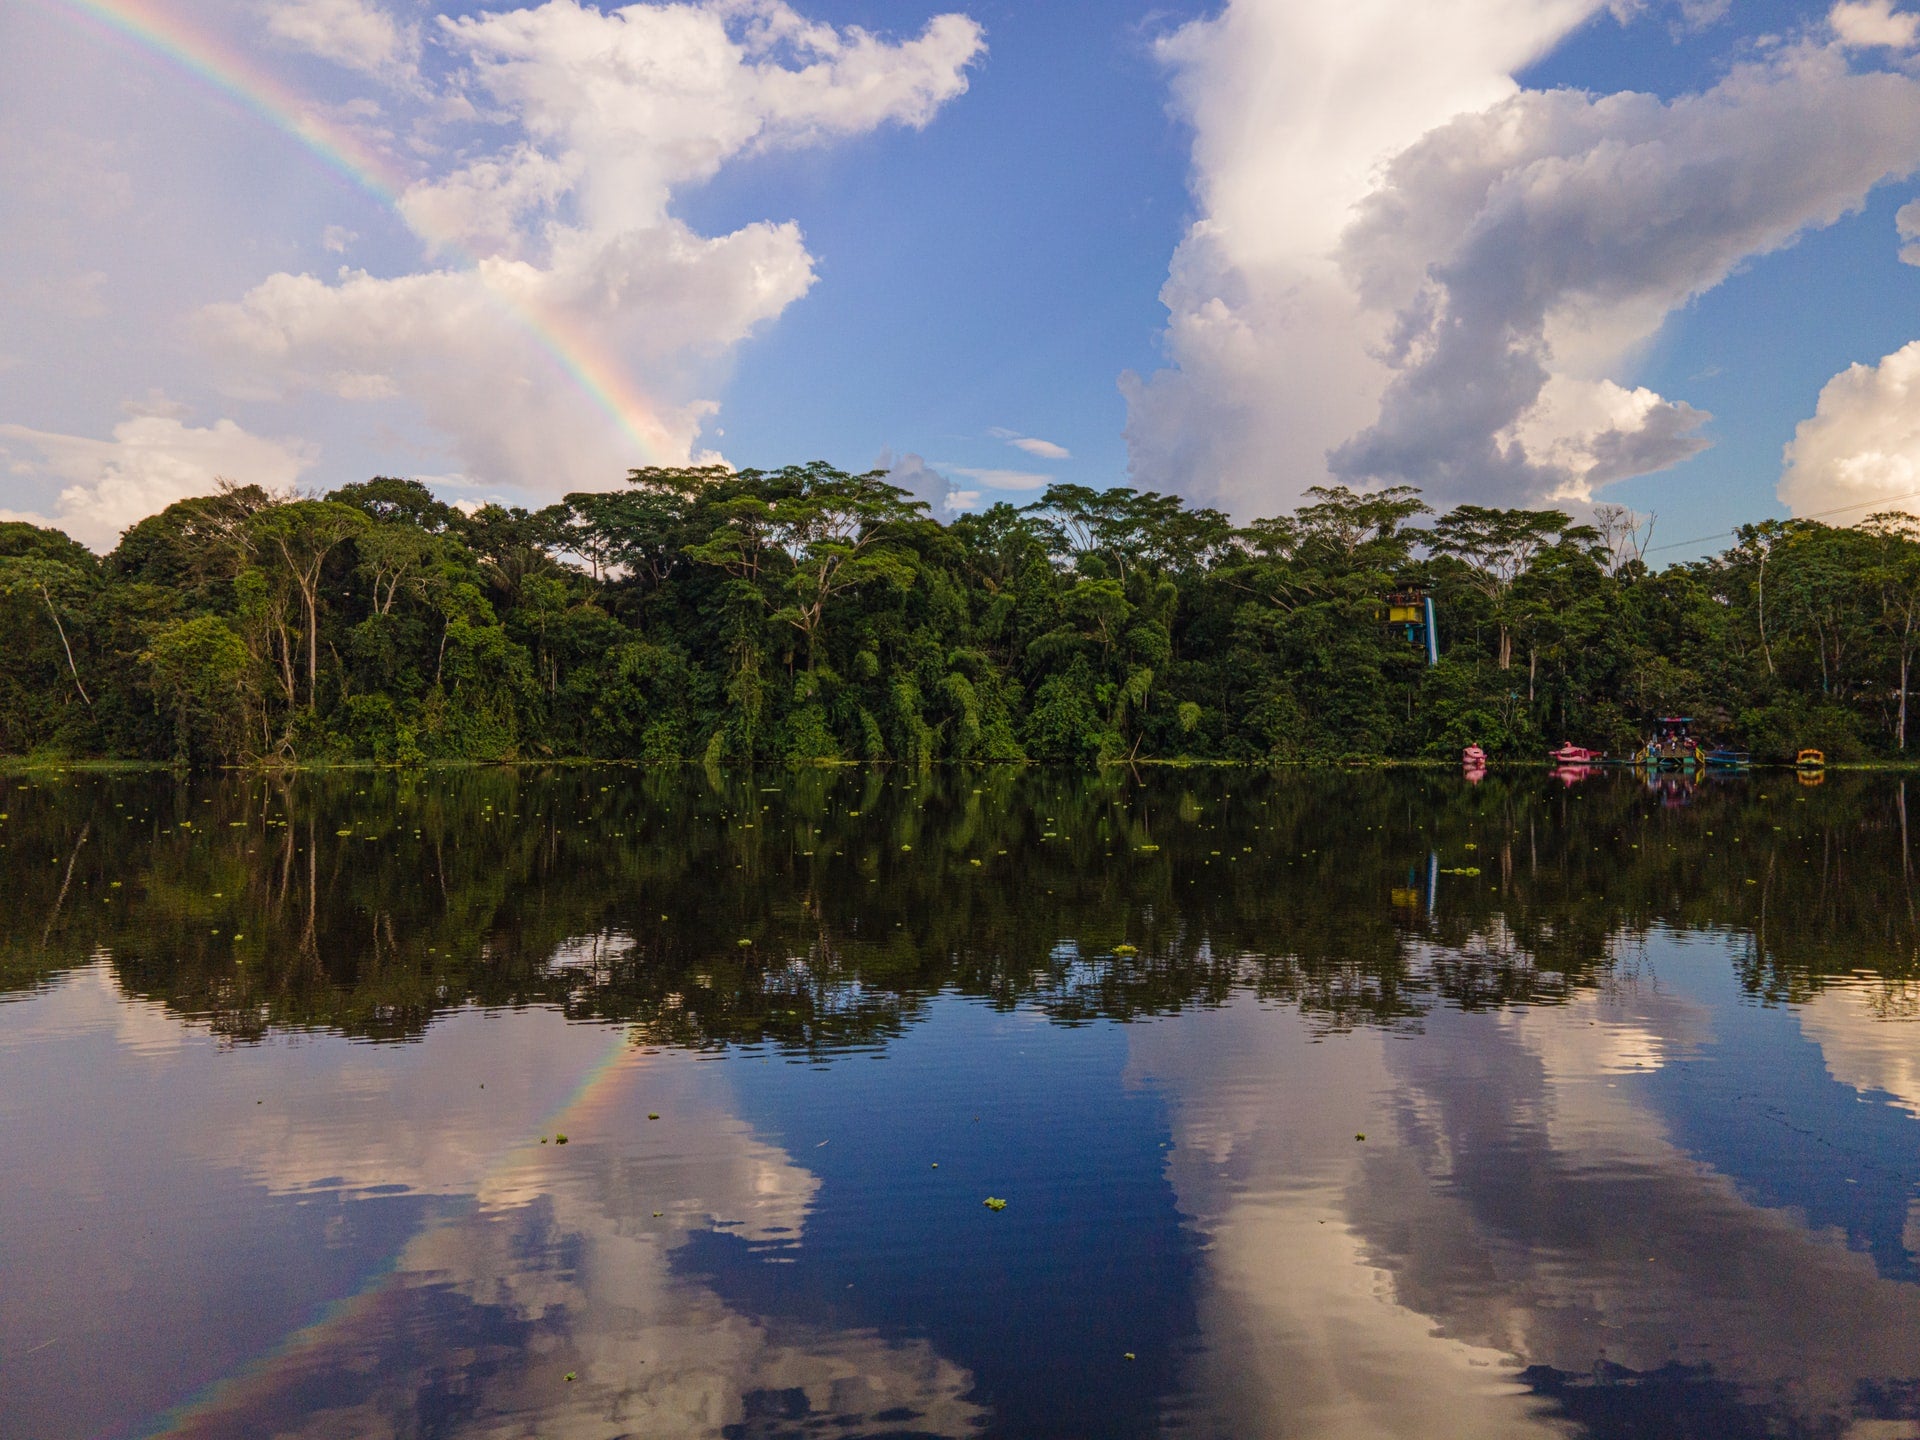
(806, 614)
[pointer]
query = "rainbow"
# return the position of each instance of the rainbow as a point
(232, 74)
(218, 1403)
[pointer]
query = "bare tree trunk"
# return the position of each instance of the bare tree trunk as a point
(313, 644)
(72, 668)
(1764, 650)
(288, 680)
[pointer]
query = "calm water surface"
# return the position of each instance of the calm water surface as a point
(1363, 1105)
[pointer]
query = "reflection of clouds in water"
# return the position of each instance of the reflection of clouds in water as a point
(1515, 1203)
(1599, 1240)
(1869, 1032)
(581, 1253)
(88, 1000)
(1520, 1199)
(1311, 1342)
(1303, 1335)
(651, 1353)
(563, 1256)
(1584, 1049)
(1618, 1030)
(590, 956)
(357, 1117)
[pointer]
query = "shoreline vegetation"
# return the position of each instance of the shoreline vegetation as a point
(807, 616)
(32, 765)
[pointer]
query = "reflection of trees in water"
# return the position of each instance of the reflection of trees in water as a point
(1343, 994)
(1890, 999)
(821, 909)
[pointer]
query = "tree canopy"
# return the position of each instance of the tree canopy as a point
(807, 614)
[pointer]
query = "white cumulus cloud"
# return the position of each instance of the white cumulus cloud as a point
(492, 355)
(484, 206)
(151, 461)
(576, 344)
(1409, 269)
(1040, 449)
(914, 475)
(995, 479)
(1873, 24)
(1907, 221)
(1294, 110)
(649, 97)
(1551, 235)
(1861, 448)
(358, 34)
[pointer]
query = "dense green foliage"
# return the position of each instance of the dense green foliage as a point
(808, 615)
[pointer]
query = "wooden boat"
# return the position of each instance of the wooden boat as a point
(1727, 759)
(1572, 754)
(1810, 759)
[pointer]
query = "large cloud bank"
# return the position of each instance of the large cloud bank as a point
(1409, 269)
(601, 118)
(557, 323)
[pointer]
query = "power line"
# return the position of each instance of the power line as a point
(1817, 515)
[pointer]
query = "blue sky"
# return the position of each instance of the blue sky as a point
(1512, 251)
(996, 271)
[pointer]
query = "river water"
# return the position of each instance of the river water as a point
(1371, 1104)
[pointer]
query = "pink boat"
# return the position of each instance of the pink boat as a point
(1572, 754)
(1473, 758)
